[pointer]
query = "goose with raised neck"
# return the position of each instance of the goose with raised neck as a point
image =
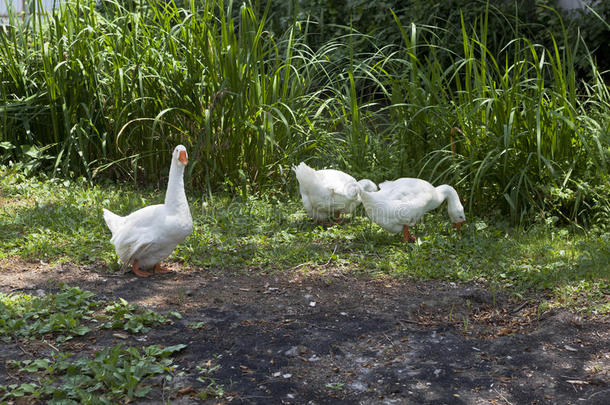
(149, 235)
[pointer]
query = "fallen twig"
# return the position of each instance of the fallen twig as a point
(519, 307)
(503, 397)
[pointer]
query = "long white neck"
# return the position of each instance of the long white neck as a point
(448, 193)
(175, 195)
(369, 199)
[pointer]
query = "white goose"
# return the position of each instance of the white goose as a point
(401, 203)
(329, 192)
(146, 236)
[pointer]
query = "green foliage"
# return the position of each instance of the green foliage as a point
(134, 319)
(115, 373)
(212, 388)
(273, 234)
(108, 91)
(98, 87)
(71, 312)
(62, 314)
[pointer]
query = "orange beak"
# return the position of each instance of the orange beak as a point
(458, 225)
(182, 157)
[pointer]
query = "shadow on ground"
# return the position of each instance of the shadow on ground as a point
(329, 338)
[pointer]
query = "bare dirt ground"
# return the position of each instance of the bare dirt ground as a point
(326, 337)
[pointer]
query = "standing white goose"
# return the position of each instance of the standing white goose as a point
(329, 192)
(401, 203)
(149, 235)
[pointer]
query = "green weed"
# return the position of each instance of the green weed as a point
(62, 314)
(114, 373)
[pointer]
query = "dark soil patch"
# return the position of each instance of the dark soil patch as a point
(328, 338)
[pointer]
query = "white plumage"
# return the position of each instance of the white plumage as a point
(401, 203)
(329, 192)
(149, 235)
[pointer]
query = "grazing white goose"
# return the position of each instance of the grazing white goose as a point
(329, 192)
(401, 203)
(149, 235)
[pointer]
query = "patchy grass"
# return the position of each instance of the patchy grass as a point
(53, 220)
(71, 312)
(114, 373)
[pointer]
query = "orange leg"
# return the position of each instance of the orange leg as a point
(136, 270)
(406, 235)
(159, 269)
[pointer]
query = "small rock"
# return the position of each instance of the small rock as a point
(358, 386)
(287, 375)
(189, 293)
(40, 292)
(277, 374)
(295, 351)
(312, 304)
(570, 348)
(120, 335)
(181, 382)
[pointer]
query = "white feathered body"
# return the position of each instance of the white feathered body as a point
(151, 234)
(328, 191)
(405, 201)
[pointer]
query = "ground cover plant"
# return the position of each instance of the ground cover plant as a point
(113, 373)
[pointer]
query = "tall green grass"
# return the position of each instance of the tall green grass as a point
(107, 92)
(122, 86)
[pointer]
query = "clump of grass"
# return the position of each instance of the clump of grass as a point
(112, 88)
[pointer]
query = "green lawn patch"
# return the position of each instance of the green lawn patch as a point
(62, 221)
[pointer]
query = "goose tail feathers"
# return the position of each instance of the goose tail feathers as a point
(307, 177)
(112, 220)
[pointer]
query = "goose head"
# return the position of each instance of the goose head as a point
(456, 213)
(180, 156)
